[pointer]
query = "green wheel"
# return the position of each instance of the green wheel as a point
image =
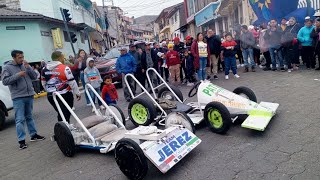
(217, 117)
(142, 112)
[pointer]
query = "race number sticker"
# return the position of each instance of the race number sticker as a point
(171, 150)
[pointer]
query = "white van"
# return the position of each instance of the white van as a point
(5, 103)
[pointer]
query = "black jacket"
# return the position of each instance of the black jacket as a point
(154, 57)
(179, 48)
(315, 36)
(214, 43)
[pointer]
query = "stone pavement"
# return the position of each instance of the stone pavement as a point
(288, 149)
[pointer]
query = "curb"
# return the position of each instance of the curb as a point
(40, 95)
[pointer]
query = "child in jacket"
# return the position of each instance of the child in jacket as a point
(109, 91)
(92, 76)
(229, 50)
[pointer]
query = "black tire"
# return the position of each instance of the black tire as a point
(185, 117)
(121, 113)
(246, 91)
(131, 159)
(250, 95)
(150, 110)
(224, 120)
(174, 89)
(64, 139)
(2, 119)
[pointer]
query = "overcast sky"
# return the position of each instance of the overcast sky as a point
(138, 8)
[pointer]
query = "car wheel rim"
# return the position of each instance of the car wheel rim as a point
(167, 95)
(215, 118)
(139, 113)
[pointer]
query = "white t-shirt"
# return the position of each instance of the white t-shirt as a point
(202, 47)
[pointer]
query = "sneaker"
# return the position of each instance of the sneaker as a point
(246, 70)
(190, 84)
(236, 76)
(102, 107)
(215, 77)
(282, 69)
(260, 66)
(289, 70)
(73, 109)
(317, 69)
(266, 69)
(37, 137)
(274, 69)
(23, 146)
(253, 69)
(89, 104)
(242, 65)
(226, 77)
(238, 65)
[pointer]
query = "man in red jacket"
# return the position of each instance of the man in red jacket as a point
(173, 63)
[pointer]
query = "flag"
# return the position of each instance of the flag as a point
(266, 10)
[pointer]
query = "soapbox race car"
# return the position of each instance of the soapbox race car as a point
(105, 131)
(218, 107)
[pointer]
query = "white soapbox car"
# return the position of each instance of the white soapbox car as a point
(218, 107)
(105, 131)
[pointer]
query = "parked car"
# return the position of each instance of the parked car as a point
(107, 66)
(5, 104)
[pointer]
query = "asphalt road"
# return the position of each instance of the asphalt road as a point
(288, 149)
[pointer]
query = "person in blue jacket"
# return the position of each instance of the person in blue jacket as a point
(306, 42)
(126, 64)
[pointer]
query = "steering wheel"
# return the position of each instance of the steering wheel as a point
(195, 89)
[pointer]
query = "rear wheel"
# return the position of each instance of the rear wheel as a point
(118, 112)
(179, 118)
(2, 119)
(64, 139)
(165, 93)
(248, 94)
(217, 117)
(131, 159)
(142, 111)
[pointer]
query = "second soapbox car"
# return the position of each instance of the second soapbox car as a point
(105, 131)
(218, 107)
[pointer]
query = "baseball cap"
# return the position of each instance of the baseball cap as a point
(188, 37)
(317, 14)
(122, 48)
(176, 39)
(131, 45)
(170, 45)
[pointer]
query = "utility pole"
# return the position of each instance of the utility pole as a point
(116, 14)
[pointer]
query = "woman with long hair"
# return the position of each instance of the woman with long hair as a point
(82, 64)
(201, 53)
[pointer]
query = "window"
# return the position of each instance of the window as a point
(191, 7)
(15, 28)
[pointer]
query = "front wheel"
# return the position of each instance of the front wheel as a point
(248, 94)
(165, 93)
(131, 159)
(217, 117)
(142, 111)
(118, 112)
(2, 119)
(179, 118)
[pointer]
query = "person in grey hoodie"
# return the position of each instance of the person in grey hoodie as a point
(57, 77)
(92, 76)
(18, 75)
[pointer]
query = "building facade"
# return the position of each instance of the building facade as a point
(19, 29)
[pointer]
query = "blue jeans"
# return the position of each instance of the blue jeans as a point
(202, 68)
(93, 96)
(276, 55)
(84, 86)
(23, 113)
(246, 54)
(230, 62)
